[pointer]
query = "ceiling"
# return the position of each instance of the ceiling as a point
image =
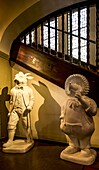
(10, 9)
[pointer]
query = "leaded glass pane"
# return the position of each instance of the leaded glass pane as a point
(84, 54)
(75, 32)
(83, 32)
(83, 43)
(45, 35)
(32, 36)
(52, 38)
(74, 53)
(27, 39)
(52, 23)
(75, 21)
(83, 17)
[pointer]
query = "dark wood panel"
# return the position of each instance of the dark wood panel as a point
(53, 69)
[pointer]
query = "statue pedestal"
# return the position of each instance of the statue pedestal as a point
(79, 158)
(19, 146)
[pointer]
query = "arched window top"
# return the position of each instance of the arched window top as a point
(67, 34)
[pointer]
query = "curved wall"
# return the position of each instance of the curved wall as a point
(45, 122)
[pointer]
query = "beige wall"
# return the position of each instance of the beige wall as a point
(5, 85)
(46, 111)
(45, 114)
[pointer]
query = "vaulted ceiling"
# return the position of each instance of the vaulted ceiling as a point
(17, 15)
(10, 10)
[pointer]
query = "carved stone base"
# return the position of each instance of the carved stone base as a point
(79, 158)
(19, 146)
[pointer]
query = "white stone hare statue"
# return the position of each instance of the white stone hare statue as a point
(21, 104)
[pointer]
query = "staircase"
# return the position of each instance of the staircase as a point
(52, 68)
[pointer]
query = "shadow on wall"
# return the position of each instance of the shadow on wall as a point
(4, 111)
(48, 125)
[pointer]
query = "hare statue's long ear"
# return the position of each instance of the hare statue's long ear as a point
(28, 76)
